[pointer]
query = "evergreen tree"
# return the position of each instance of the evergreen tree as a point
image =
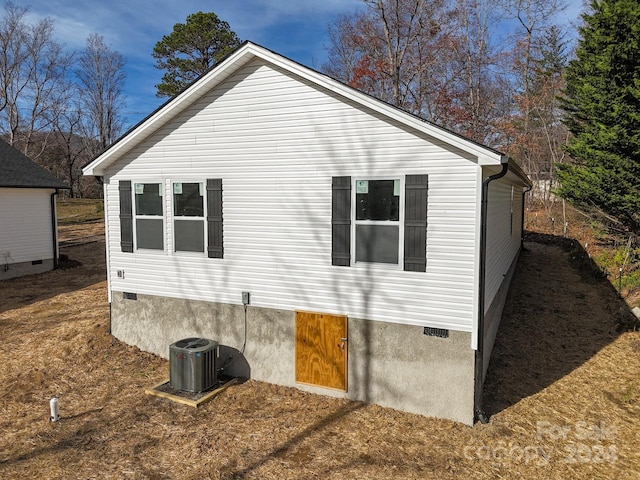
(602, 105)
(191, 49)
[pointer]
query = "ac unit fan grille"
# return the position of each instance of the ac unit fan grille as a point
(192, 343)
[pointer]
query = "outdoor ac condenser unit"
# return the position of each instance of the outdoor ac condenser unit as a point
(193, 364)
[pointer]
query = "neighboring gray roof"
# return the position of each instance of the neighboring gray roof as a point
(18, 170)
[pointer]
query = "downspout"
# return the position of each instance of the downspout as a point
(100, 180)
(54, 228)
(479, 413)
(524, 193)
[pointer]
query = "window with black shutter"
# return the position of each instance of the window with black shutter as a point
(386, 224)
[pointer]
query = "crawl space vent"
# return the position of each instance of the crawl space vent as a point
(436, 332)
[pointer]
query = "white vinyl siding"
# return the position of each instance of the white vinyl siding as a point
(276, 141)
(25, 225)
(503, 234)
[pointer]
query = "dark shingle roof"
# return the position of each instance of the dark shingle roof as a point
(18, 170)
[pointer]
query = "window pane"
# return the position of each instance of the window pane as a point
(189, 235)
(377, 200)
(149, 233)
(188, 200)
(377, 243)
(148, 199)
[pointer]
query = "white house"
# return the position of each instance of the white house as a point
(28, 223)
(356, 227)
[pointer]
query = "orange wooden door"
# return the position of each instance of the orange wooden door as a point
(321, 350)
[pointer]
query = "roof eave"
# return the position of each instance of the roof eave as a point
(517, 170)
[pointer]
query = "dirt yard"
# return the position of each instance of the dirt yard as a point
(563, 390)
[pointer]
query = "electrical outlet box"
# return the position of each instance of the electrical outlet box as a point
(246, 298)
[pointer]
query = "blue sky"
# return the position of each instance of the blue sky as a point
(294, 28)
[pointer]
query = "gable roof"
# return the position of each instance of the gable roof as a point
(19, 171)
(248, 51)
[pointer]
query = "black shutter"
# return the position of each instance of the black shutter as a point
(215, 247)
(126, 216)
(341, 221)
(415, 223)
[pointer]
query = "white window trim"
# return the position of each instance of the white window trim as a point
(172, 218)
(148, 217)
(400, 223)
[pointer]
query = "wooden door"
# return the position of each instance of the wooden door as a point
(321, 350)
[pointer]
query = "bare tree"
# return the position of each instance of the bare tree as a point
(534, 19)
(434, 58)
(13, 53)
(343, 51)
(33, 67)
(69, 149)
(393, 51)
(536, 131)
(101, 82)
(56, 120)
(480, 86)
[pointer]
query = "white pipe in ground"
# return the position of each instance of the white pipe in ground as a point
(53, 403)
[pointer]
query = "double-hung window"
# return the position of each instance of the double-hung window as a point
(377, 221)
(149, 217)
(196, 220)
(188, 216)
(380, 221)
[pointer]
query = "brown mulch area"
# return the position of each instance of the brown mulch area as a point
(563, 390)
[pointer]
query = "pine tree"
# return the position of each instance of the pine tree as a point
(602, 105)
(191, 49)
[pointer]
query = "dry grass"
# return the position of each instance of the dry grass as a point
(559, 374)
(80, 210)
(598, 242)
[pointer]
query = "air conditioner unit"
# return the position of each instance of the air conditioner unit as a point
(193, 364)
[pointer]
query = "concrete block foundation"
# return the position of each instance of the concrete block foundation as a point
(391, 365)
(14, 270)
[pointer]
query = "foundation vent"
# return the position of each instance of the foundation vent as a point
(436, 332)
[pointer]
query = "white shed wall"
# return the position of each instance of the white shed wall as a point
(276, 142)
(25, 225)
